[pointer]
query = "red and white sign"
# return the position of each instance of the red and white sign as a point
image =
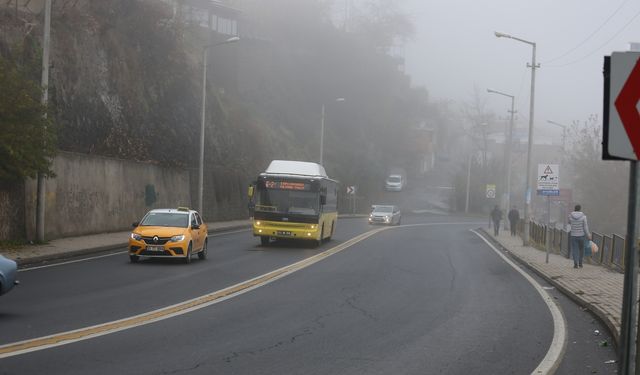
(624, 119)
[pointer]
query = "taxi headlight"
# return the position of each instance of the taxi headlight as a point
(313, 226)
(136, 236)
(177, 238)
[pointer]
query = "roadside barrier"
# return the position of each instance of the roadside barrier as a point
(611, 252)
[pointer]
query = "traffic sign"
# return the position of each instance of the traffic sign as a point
(491, 191)
(351, 190)
(548, 179)
(622, 124)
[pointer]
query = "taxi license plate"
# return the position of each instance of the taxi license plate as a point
(284, 233)
(155, 248)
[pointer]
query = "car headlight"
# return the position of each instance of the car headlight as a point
(177, 238)
(136, 236)
(387, 218)
(313, 226)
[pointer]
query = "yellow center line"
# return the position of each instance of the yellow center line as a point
(69, 337)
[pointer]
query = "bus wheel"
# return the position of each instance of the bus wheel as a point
(330, 233)
(264, 240)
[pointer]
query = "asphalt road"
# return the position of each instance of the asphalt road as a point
(425, 299)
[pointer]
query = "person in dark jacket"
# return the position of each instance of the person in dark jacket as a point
(514, 217)
(496, 216)
(579, 234)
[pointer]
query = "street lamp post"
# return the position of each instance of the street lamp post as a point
(322, 129)
(527, 198)
(564, 132)
(507, 150)
(41, 185)
(205, 55)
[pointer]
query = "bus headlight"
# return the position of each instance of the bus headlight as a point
(313, 226)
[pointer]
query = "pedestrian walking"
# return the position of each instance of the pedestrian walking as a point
(514, 218)
(496, 216)
(579, 234)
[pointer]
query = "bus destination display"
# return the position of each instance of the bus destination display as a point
(287, 185)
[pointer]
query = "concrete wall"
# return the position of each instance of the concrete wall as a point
(93, 194)
(12, 211)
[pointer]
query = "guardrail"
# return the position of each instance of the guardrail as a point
(611, 252)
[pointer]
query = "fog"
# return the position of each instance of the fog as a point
(454, 48)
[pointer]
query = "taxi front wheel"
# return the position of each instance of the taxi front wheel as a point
(134, 258)
(202, 255)
(187, 259)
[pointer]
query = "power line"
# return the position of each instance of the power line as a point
(590, 35)
(600, 46)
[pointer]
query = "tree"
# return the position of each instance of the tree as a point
(27, 139)
(383, 23)
(599, 186)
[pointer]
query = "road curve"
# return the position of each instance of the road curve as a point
(432, 299)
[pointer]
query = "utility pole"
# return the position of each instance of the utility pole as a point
(322, 135)
(41, 189)
(466, 202)
(528, 182)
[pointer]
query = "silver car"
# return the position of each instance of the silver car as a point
(385, 214)
(8, 270)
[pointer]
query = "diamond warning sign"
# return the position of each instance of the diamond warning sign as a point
(548, 179)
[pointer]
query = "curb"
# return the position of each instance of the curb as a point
(24, 262)
(595, 309)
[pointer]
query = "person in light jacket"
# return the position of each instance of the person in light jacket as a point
(579, 234)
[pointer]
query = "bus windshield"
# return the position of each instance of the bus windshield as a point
(287, 201)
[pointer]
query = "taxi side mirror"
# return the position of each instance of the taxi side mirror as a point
(195, 226)
(135, 225)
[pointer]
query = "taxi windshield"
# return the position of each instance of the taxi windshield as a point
(166, 219)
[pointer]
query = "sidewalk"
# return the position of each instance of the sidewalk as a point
(95, 243)
(593, 287)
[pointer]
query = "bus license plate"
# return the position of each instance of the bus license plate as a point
(155, 248)
(284, 233)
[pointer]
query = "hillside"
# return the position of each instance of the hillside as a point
(126, 82)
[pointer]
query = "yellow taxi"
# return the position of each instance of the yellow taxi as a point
(169, 233)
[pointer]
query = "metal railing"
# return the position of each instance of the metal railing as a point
(611, 252)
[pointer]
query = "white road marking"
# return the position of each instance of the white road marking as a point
(71, 261)
(554, 355)
(112, 254)
(86, 333)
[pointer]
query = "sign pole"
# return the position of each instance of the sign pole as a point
(548, 229)
(353, 201)
(628, 347)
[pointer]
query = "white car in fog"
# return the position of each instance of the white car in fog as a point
(394, 182)
(385, 214)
